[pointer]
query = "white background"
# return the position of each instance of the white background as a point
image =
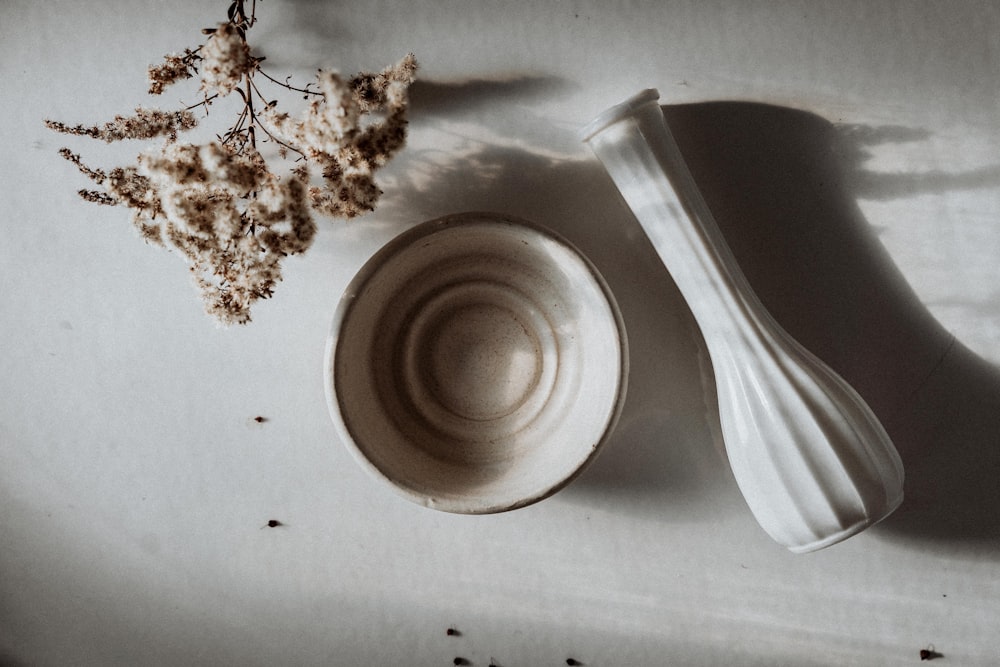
(851, 152)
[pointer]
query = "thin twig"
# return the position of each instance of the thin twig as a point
(288, 86)
(205, 102)
(249, 100)
(263, 126)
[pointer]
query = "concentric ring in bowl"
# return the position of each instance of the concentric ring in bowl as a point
(476, 363)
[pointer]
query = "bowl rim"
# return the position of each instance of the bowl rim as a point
(356, 286)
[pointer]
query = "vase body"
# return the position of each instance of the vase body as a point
(811, 459)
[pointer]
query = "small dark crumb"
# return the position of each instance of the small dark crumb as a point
(452, 632)
(929, 653)
(259, 419)
(461, 661)
(274, 523)
(571, 662)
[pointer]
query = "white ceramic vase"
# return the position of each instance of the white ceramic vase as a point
(808, 454)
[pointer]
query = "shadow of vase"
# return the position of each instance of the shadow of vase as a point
(782, 186)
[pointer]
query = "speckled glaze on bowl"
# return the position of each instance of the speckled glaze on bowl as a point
(476, 363)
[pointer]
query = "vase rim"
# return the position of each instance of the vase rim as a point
(618, 112)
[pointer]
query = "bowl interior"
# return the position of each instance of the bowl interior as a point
(476, 363)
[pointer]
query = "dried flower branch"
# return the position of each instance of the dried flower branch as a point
(145, 124)
(174, 68)
(219, 204)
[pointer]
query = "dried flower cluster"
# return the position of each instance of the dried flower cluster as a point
(225, 60)
(219, 204)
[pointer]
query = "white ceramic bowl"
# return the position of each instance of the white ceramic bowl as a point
(476, 363)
